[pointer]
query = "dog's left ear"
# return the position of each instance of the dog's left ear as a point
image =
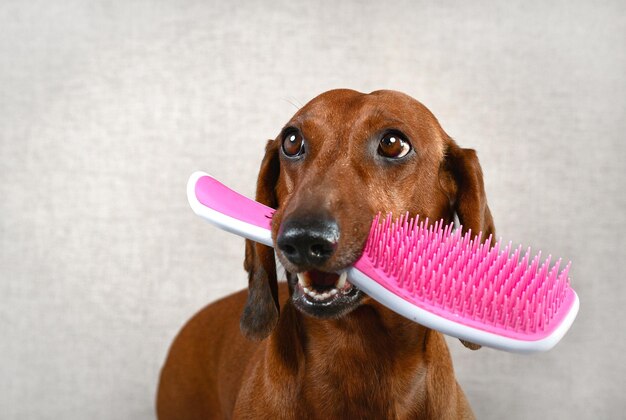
(467, 196)
(262, 309)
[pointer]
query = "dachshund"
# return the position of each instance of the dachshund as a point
(315, 346)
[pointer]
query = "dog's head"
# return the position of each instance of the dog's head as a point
(341, 159)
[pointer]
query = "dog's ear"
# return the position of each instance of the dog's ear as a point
(262, 309)
(468, 198)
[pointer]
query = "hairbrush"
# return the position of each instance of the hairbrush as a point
(433, 274)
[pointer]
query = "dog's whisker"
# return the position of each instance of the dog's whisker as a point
(290, 101)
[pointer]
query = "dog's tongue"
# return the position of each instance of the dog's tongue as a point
(320, 278)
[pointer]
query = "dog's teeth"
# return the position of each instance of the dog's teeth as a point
(303, 279)
(320, 296)
(309, 290)
(342, 280)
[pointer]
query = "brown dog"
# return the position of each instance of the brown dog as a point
(331, 352)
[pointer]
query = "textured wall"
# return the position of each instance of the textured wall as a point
(107, 107)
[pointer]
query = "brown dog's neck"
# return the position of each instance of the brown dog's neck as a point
(371, 360)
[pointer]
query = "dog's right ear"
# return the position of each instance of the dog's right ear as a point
(262, 309)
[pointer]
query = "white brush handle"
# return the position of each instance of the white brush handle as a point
(229, 210)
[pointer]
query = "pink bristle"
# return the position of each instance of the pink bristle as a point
(494, 285)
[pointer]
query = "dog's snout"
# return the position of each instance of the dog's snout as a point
(308, 242)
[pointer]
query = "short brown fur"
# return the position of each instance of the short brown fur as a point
(369, 363)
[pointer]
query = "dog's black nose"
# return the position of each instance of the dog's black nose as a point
(308, 242)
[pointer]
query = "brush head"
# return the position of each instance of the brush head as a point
(488, 289)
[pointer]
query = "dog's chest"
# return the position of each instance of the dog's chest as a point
(358, 388)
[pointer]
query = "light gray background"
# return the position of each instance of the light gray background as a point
(107, 107)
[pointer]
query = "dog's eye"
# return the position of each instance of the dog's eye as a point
(393, 145)
(293, 144)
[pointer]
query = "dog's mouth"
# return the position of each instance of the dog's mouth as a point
(325, 295)
(321, 287)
